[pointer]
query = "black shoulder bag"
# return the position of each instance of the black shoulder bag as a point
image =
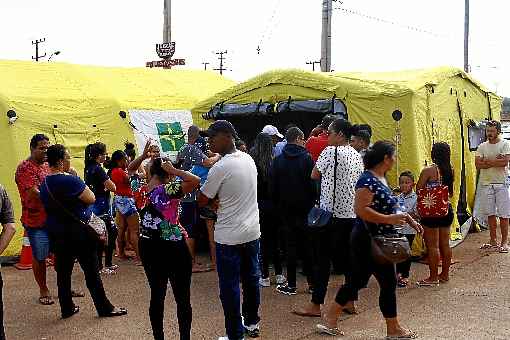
(95, 225)
(319, 218)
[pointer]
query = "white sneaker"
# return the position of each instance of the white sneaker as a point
(265, 282)
(280, 279)
(224, 338)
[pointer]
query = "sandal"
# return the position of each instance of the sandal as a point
(329, 331)
(402, 282)
(504, 249)
(46, 300)
(115, 312)
(76, 294)
(409, 335)
(425, 283)
(73, 311)
(488, 246)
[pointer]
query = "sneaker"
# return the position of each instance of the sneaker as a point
(252, 331)
(225, 338)
(285, 289)
(265, 282)
(280, 279)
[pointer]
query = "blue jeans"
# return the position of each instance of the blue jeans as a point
(239, 264)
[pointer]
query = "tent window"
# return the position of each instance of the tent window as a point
(323, 106)
(223, 111)
(476, 132)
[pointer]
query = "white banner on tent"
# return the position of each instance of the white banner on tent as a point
(166, 128)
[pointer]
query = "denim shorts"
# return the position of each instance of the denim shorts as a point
(40, 242)
(125, 205)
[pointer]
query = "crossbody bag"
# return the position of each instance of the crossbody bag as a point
(95, 223)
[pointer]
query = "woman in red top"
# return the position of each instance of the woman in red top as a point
(128, 219)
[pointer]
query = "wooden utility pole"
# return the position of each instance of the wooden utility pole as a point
(327, 11)
(205, 65)
(221, 58)
(36, 43)
(313, 64)
(466, 36)
(167, 22)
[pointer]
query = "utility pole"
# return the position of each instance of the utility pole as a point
(466, 36)
(327, 11)
(205, 65)
(36, 43)
(221, 58)
(313, 63)
(167, 21)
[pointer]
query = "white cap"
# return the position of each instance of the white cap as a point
(272, 131)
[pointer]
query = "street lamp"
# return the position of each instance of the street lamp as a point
(54, 53)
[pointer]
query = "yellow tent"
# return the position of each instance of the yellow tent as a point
(437, 105)
(75, 105)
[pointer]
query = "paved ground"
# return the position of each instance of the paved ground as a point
(475, 305)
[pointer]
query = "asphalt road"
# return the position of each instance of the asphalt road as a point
(474, 305)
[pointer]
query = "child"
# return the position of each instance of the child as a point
(407, 200)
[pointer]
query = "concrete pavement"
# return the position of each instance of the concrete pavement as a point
(474, 305)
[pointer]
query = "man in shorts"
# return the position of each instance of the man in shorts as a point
(492, 160)
(30, 175)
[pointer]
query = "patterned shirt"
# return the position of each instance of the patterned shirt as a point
(160, 217)
(29, 174)
(349, 169)
(408, 205)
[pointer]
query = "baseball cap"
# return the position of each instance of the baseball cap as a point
(272, 131)
(221, 126)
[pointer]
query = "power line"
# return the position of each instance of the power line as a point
(390, 22)
(270, 26)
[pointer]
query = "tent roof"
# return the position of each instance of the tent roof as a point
(391, 84)
(77, 88)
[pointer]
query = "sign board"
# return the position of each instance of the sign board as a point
(168, 63)
(165, 50)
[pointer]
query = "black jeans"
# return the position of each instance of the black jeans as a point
(363, 267)
(82, 245)
(165, 261)
(108, 248)
(404, 268)
(335, 238)
(270, 241)
(2, 332)
(297, 240)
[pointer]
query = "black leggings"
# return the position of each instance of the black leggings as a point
(270, 237)
(363, 267)
(164, 261)
(109, 248)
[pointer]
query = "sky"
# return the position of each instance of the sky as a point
(406, 34)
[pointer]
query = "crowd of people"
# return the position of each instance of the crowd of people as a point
(254, 205)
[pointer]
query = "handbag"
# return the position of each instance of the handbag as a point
(95, 224)
(319, 218)
(433, 201)
(389, 249)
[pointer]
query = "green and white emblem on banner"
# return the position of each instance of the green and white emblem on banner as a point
(165, 128)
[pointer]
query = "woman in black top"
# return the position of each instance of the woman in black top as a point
(377, 210)
(66, 199)
(262, 154)
(101, 185)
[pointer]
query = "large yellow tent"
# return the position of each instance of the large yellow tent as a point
(75, 104)
(437, 105)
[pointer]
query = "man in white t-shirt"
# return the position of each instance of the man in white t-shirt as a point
(233, 182)
(336, 197)
(492, 160)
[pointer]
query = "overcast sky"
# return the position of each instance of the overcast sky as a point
(124, 33)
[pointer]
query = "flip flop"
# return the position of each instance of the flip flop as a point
(46, 300)
(76, 294)
(488, 246)
(410, 335)
(329, 331)
(425, 283)
(306, 314)
(504, 250)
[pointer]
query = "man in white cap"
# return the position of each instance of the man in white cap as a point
(273, 132)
